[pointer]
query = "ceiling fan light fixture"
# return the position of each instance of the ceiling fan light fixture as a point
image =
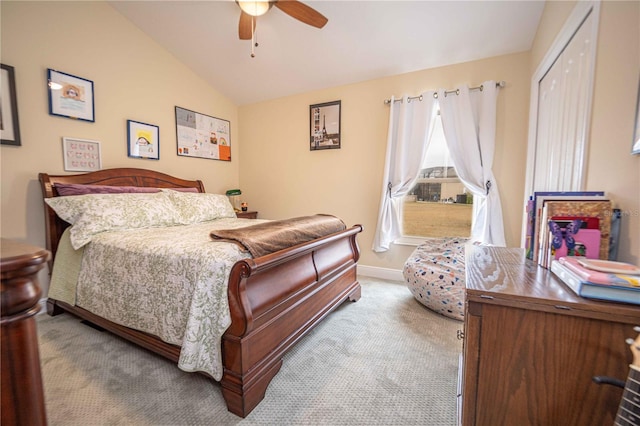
(254, 8)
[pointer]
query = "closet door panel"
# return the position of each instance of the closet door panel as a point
(563, 116)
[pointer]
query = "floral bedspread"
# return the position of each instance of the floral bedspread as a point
(170, 282)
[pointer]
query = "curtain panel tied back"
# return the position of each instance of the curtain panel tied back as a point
(410, 126)
(469, 124)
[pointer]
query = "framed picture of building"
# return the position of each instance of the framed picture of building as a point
(324, 126)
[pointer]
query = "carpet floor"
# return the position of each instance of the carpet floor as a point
(384, 360)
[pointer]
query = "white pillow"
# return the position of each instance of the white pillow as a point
(200, 207)
(95, 213)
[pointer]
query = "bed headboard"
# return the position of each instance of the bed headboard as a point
(113, 177)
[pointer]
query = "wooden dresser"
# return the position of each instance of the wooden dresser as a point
(22, 394)
(531, 346)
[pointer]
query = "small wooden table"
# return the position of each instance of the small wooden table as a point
(21, 381)
(247, 215)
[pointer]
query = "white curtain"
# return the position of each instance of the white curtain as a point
(410, 125)
(469, 123)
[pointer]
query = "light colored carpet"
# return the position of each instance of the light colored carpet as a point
(383, 360)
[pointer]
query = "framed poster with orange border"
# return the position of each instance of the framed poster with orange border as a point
(202, 136)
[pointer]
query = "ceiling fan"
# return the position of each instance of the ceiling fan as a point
(294, 8)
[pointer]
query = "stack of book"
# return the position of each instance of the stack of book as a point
(568, 224)
(599, 279)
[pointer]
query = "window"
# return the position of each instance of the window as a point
(438, 205)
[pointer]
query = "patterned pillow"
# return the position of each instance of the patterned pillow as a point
(200, 207)
(91, 214)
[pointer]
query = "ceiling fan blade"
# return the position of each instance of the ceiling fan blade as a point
(302, 12)
(246, 26)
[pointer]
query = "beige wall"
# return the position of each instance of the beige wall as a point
(610, 166)
(133, 79)
(280, 177)
(136, 79)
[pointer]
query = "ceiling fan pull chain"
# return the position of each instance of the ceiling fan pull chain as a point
(254, 42)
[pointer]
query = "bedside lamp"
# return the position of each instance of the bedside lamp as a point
(234, 198)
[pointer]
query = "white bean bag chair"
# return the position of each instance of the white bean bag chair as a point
(435, 275)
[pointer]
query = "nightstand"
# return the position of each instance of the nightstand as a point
(247, 215)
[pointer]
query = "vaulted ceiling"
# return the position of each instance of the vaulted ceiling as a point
(362, 40)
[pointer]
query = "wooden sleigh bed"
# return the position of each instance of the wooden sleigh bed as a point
(274, 300)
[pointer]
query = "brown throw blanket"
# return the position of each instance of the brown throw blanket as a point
(269, 237)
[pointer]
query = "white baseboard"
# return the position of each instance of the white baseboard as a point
(381, 273)
(43, 306)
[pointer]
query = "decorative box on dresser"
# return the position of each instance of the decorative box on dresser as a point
(22, 393)
(531, 346)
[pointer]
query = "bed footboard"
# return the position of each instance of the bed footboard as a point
(274, 301)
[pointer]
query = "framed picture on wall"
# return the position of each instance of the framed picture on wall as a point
(9, 124)
(324, 126)
(81, 155)
(202, 136)
(70, 96)
(635, 147)
(143, 140)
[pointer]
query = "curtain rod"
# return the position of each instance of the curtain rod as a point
(501, 83)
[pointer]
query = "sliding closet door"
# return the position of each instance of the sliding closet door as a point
(560, 110)
(563, 115)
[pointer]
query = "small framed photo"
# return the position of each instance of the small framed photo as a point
(81, 155)
(143, 140)
(9, 124)
(70, 96)
(325, 125)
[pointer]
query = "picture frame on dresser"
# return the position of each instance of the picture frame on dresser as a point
(9, 123)
(70, 96)
(324, 126)
(143, 140)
